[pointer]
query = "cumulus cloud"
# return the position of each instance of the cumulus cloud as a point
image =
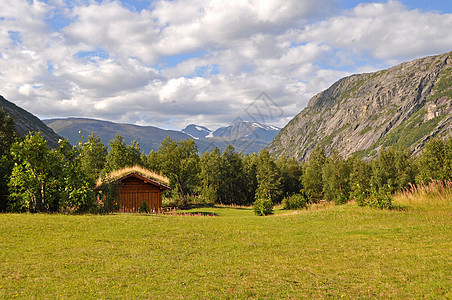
(158, 66)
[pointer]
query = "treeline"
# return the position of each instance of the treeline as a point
(37, 179)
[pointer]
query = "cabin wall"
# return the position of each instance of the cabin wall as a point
(135, 191)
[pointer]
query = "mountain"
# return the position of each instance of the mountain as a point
(149, 137)
(196, 132)
(247, 130)
(252, 138)
(404, 106)
(27, 122)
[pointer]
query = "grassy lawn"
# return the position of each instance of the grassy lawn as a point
(336, 252)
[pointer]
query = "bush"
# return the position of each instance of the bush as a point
(144, 208)
(263, 207)
(296, 201)
(377, 199)
(110, 195)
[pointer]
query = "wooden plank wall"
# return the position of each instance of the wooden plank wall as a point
(134, 192)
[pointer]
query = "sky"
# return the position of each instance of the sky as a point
(173, 63)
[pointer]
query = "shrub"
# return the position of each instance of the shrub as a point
(296, 201)
(263, 206)
(110, 195)
(144, 207)
(377, 199)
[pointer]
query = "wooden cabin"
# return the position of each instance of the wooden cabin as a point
(136, 189)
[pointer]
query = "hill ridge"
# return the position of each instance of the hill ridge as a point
(405, 105)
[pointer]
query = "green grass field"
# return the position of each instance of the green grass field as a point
(335, 252)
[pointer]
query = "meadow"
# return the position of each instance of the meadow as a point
(323, 252)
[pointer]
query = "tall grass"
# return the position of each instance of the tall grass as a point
(137, 169)
(434, 195)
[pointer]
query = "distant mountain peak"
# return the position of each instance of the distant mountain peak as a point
(196, 131)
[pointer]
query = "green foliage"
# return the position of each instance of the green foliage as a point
(335, 177)
(365, 130)
(109, 195)
(8, 136)
(33, 183)
(232, 188)
(210, 175)
(360, 174)
(144, 208)
(290, 172)
(46, 180)
(296, 201)
(394, 169)
(263, 206)
(93, 155)
(268, 179)
(312, 175)
(249, 169)
(179, 161)
(121, 155)
(74, 186)
(443, 88)
(377, 199)
(435, 161)
(411, 131)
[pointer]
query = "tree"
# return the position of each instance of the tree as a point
(360, 178)
(210, 174)
(312, 175)
(291, 172)
(32, 183)
(8, 136)
(335, 177)
(152, 161)
(392, 170)
(74, 187)
(121, 155)
(93, 156)
(435, 161)
(268, 179)
(249, 169)
(179, 161)
(231, 189)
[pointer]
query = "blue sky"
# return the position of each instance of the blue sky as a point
(172, 63)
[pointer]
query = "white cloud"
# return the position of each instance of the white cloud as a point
(118, 64)
(386, 31)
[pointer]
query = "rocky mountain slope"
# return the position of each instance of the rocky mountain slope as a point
(27, 122)
(404, 106)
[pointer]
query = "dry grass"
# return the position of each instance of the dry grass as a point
(137, 169)
(434, 195)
